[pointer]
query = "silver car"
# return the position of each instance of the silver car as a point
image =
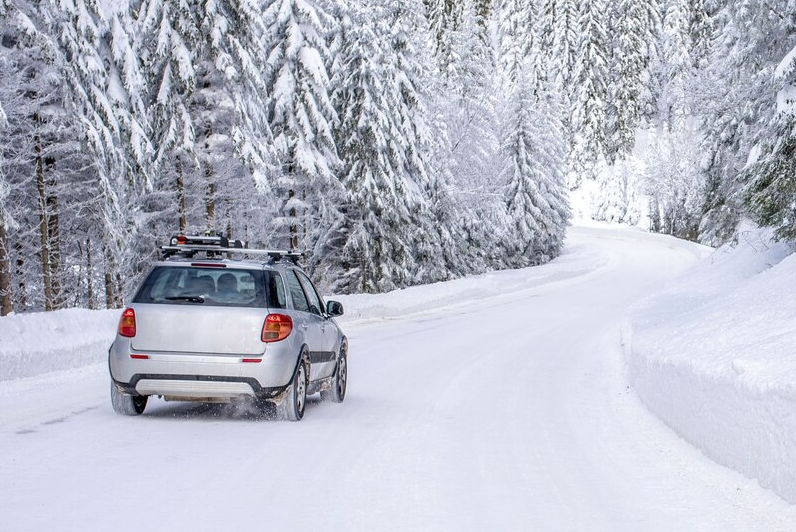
(222, 330)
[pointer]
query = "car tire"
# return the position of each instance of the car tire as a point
(128, 405)
(292, 407)
(336, 394)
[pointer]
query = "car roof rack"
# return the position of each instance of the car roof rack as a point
(212, 246)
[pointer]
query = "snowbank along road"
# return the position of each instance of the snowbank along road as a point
(497, 405)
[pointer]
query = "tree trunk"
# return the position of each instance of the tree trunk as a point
(293, 223)
(89, 275)
(6, 306)
(210, 198)
(110, 297)
(21, 294)
(53, 234)
(43, 221)
(181, 196)
(48, 223)
(119, 291)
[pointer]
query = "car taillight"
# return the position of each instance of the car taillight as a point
(127, 323)
(276, 327)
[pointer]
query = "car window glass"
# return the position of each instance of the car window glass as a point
(276, 290)
(296, 293)
(207, 286)
(316, 304)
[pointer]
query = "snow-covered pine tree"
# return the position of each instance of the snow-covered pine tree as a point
(701, 31)
(591, 93)
(444, 22)
(677, 70)
(301, 114)
(771, 181)
(560, 25)
(736, 99)
(375, 245)
(533, 147)
(205, 65)
(467, 97)
(517, 28)
(104, 86)
(483, 14)
(618, 195)
(419, 139)
(536, 198)
(36, 166)
(674, 183)
(635, 45)
(10, 96)
(169, 37)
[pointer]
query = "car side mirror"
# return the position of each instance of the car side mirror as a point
(334, 308)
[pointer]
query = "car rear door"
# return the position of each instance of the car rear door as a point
(307, 321)
(325, 357)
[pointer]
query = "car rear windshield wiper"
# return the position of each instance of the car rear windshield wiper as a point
(190, 299)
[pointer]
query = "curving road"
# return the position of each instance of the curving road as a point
(506, 413)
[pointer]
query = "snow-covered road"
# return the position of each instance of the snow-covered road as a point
(505, 413)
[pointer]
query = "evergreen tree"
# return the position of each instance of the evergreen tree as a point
(300, 112)
(536, 199)
(562, 27)
(375, 252)
(737, 104)
(701, 32)
(105, 91)
(537, 208)
(771, 181)
(467, 99)
(10, 84)
(419, 137)
(483, 14)
(618, 195)
(591, 85)
(676, 49)
(632, 57)
(444, 21)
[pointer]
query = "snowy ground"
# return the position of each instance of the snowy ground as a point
(713, 356)
(497, 403)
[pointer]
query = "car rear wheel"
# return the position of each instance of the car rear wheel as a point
(337, 392)
(292, 407)
(128, 405)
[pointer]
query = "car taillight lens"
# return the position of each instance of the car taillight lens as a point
(127, 323)
(276, 327)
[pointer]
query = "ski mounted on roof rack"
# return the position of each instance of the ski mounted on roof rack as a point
(214, 245)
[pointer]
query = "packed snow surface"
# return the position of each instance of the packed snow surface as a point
(492, 403)
(713, 356)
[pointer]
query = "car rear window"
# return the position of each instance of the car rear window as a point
(220, 287)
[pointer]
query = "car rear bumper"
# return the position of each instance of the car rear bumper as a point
(198, 387)
(200, 376)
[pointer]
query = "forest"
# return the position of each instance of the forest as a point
(395, 142)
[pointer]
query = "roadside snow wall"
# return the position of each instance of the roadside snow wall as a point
(32, 344)
(714, 356)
